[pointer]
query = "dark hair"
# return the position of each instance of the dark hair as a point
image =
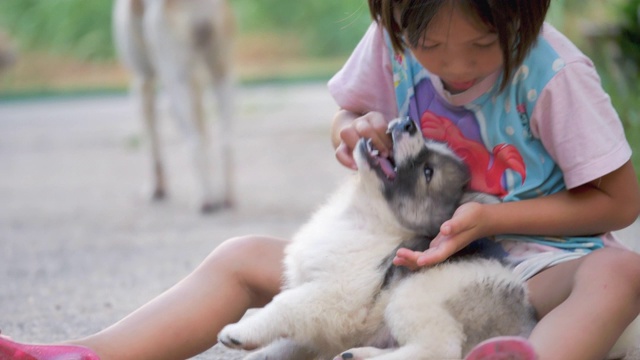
(517, 23)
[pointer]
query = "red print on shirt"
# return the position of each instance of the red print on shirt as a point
(487, 169)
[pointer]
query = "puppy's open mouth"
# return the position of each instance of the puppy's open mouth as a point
(384, 165)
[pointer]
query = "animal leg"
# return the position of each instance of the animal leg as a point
(133, 52)
(201, 147)
(144, 87)
(218, 61)
(168, 29)
(291, 314)
(417, 334)
(186, 98)
(362, 353)
(224, 93)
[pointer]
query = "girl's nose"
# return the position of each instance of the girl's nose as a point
(457, 62)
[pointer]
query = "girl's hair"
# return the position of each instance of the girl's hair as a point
(517, 23)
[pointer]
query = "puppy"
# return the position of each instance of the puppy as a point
(342, 290)
(172, 40)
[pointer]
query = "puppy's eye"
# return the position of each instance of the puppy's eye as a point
(428, 173)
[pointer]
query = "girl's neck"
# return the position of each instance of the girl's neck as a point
(469, 95)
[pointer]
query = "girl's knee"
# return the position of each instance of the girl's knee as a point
(252, 262)
(242, 252)
(617, 265)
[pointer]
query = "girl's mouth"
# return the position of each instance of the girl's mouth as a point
(459, 86)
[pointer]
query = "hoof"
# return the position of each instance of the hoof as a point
(158, 195)
(213, 207)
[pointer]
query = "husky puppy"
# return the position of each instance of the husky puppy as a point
(171, 40)
(342, 290)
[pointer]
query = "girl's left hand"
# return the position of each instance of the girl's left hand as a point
(463, 228)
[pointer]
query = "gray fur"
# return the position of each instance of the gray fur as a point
(508, 308)
(444, 188)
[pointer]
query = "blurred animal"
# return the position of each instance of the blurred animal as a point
(342, 290)
(174, 40)
(8, 52)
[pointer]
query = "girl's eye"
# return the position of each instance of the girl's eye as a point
(429, 46)
(485, 45)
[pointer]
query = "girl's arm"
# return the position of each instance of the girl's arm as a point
(606, 204)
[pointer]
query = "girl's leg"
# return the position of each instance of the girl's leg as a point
(584, 305)
(185, 320)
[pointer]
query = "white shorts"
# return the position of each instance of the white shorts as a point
(532, 265)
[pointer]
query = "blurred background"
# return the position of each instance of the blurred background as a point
(65, 46)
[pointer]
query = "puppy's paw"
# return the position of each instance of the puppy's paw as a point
(232, 336)
(361, 353)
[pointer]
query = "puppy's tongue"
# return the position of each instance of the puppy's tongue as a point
(387, 168)
(385, 164)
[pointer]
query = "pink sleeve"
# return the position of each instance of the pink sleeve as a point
(579, 127)
(365, 82)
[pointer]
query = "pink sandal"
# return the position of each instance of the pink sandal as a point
(11, 350)
(503, 348)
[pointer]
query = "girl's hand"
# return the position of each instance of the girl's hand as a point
(352, 128)
(464, 227)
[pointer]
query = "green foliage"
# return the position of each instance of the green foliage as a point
(613, 43)
(81, 28)
(629, 36)
(327, 27)
(626, 100)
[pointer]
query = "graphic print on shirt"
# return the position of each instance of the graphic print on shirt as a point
(487, 168)
(491, 166)
(492, 131)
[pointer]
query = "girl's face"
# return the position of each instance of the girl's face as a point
(458, 49)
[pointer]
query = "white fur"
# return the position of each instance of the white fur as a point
(174, 40)
(333, 275)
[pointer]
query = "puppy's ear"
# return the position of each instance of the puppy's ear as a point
(482, 198)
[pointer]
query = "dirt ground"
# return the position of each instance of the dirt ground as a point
(80, 243)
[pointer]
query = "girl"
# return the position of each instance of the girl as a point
(524, 108)
(477, 75)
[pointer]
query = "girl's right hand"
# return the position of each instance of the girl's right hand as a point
(468, 223)
(351, 128)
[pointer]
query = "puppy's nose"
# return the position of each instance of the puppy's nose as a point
(407, 125)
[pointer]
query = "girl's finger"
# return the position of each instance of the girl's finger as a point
(377, 133)
(437, 254)
(349, 137)
(345, 156)
(398, 261)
